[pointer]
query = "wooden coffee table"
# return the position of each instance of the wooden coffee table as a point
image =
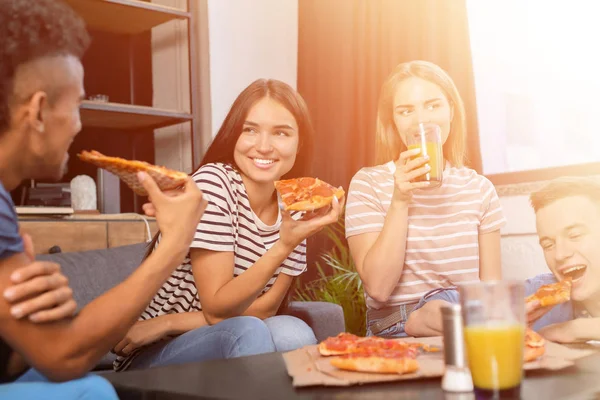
(265, 377)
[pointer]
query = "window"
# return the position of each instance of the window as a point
(537, 82)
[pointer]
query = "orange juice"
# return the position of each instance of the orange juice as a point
(495, 355)
(436, 160)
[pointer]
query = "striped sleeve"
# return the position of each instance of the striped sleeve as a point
(492, 218)
(295, 263)
(364, 211)
(215, 230)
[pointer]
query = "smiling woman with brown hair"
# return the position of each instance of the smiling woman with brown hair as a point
(246, 251)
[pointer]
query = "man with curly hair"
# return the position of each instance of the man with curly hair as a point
(41, 88)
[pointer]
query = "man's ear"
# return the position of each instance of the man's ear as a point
(35, 107)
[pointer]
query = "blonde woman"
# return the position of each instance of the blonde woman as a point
(407, 240)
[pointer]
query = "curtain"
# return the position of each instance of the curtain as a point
(346, 48)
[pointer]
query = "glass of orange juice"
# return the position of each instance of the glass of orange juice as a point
(494, 330)
(428, 137)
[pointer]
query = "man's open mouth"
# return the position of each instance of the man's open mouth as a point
(575, 272)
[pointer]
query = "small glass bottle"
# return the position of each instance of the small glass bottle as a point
(457, 377)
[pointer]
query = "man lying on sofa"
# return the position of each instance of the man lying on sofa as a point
(41, 87)
(567, 214)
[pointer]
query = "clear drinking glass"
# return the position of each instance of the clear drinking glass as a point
(428, 137)
(494, 330)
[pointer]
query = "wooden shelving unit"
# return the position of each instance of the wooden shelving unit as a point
(127, 23)
(125, 16)
(128, 117)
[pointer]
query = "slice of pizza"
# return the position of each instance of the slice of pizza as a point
(126, 170)
(552, 294)
(534, 345)
(306, 194)
(340, 344)
(347, 343)
(381, 362)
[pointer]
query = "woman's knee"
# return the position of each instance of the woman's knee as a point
(290, 333)
(246, 336)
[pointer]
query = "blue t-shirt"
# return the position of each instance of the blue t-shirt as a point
(10, 244)
(10, 240)
(560, 313)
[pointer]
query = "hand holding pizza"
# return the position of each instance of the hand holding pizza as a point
(293, 232)
(534, 311)
(177, 213)
(545, 298)
(407, 169)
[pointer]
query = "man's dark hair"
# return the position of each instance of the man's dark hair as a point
(32, 29)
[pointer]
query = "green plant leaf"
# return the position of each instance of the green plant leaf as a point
(342, 285)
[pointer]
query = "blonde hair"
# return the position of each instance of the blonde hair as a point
(388, 143)
(562, 187)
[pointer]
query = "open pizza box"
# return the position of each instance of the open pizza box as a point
(308, 368)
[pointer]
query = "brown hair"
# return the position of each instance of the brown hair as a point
(387, 139)
(222, 147)
(566, 186)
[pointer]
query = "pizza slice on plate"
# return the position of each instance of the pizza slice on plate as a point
(126, 170)
(534, 345)
(381, 362)
(306, 194)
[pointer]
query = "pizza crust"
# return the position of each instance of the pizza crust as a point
(126, 170)
(376, 364)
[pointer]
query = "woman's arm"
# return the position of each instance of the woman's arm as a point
(490, 264)
(224, 297)
(267, 305)
(379, 256)
(154, 329)
(220, 294)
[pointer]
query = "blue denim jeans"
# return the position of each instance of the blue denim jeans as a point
(33, 385)
(233, 337)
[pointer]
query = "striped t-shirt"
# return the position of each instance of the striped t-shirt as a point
(228, 224)
(442, 246)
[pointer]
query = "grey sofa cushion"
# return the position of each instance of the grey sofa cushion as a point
(325, 319)
(92, 273)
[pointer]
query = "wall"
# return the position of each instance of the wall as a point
(522, 256)
(248, 40)
(170, 75)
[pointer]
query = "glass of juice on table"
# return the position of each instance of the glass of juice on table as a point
(494, 331)
(428, 137)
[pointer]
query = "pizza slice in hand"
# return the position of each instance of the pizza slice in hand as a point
(126, 170)
(552, 294)
(306, 194)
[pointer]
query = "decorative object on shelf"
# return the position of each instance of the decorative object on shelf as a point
(83, 193)
(103, 98)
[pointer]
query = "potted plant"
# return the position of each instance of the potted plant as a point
(337, 282)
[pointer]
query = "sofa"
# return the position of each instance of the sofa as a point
(92, 273)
